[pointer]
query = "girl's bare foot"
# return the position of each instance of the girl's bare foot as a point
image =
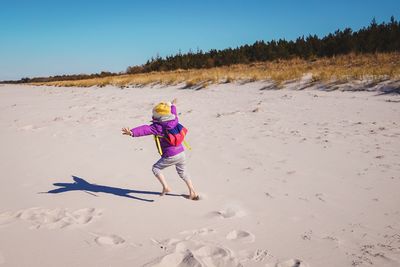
(194, 196)
(165, 191)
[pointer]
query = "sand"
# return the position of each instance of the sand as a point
(286, 178)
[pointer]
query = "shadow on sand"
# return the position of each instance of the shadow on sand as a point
(80, 184)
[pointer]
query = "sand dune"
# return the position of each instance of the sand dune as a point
(287, 178)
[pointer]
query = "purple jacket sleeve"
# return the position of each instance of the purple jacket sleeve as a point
(173, 110)
(143, 130)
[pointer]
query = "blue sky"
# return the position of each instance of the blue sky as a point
(42, 38)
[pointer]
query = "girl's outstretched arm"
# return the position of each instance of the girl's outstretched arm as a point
(143, 130)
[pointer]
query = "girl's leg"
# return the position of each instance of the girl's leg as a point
(192, 193)
(164, 184)
(181, 169)
(157, 167)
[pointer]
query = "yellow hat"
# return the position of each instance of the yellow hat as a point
(162, 109)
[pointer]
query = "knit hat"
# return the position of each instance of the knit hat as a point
(162, 112)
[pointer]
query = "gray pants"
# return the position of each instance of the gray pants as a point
(178, 160)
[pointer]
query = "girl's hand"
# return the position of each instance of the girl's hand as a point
(174, 101)
(126, 131)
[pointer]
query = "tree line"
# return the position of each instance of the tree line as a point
(72, 77)
(383, 37)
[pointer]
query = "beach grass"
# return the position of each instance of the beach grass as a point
(341, 68)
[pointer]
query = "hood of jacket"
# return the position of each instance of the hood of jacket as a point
(168, 125)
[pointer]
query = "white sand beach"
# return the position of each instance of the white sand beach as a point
(286, 178)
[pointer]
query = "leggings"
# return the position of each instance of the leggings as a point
(178, 160)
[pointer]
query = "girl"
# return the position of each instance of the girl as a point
(165, 118)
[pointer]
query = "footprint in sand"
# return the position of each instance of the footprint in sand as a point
(227, 213)
(216, 256)
(240, 235)
(29, 128)
(84, 216)
(57, 218)
(202, 231)
(259, 255)
(109, 240)
(251, 257)
(292, 263)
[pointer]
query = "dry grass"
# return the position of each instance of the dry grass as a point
(342, 68)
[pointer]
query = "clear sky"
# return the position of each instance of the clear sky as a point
(42, 38)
